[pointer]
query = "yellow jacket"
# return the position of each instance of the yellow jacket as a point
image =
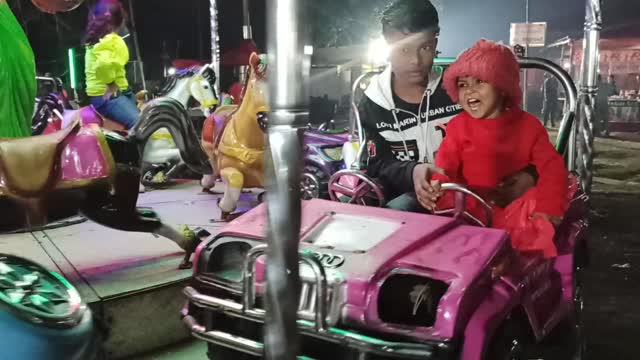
(104, 64)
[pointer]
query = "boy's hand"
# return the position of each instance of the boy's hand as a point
(426, 192)
(513, 187)
(433, 194)
(555, 220)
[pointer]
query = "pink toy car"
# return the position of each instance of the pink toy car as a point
(383, 284)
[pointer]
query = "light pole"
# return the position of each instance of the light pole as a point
(136, 45)
(215, 41)
(247, 32)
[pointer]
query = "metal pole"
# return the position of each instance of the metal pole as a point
(215, 40)
(136, 44)
(588, 91)
(526, 53)
(571, 155)
(289, 61)
(247, 32)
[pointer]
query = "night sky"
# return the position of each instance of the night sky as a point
(184, 25)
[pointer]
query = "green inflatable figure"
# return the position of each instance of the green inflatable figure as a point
(18, 85)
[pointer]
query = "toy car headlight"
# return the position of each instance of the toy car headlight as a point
(409, 299)
(226, 261)
(333, 153)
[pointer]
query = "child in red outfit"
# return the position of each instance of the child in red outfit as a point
(493, 138)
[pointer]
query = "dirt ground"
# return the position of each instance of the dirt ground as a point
(612, 282)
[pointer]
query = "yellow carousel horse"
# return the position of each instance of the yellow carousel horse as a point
(235, 141)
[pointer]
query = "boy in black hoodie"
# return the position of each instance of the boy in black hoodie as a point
(405, 111)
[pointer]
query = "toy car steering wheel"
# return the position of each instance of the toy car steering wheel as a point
(459, 210)
(364, 188)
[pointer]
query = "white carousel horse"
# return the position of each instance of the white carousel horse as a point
(197, 83)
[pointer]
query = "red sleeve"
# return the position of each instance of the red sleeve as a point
(449, 157)
(553, 177)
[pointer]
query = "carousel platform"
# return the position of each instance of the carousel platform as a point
(131, 281)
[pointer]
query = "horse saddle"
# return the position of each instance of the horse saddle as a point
(27, 164)
(213, 128)
(106, 123)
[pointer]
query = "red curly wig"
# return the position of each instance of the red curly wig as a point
(490, 62)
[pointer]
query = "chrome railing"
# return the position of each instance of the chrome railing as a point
(321, 288)
(588, 92)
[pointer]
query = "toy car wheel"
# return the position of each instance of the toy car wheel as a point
(579, 262)
(509, 341)
(568, 337)
(313, 184)
(38, 295)
(262, 197)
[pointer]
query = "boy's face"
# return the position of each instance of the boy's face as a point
(479, 98)
(411, 55)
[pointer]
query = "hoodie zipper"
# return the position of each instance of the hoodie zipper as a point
(385, 100)
(424, 135)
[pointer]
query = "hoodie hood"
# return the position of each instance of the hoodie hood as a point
(380, 89)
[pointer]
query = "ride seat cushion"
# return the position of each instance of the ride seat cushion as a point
(27, 164)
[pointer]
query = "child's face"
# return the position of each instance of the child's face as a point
(479, 98)
(412, 55)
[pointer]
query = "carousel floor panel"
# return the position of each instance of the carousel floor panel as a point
(116, 262)
(131, 280)
(28, 246)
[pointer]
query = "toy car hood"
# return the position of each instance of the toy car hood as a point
(366, 245)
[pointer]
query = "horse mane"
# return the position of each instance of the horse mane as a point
(210, 75)
(170, 81)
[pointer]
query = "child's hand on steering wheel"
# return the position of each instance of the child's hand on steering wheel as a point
(427, 190)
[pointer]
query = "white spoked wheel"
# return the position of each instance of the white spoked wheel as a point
(365, 190)
(38, 295)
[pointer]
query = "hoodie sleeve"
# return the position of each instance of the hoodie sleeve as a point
(552, 182)
(111, 54)
(395, 176)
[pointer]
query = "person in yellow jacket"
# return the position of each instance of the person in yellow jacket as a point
(17, 77)
(105, 60)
